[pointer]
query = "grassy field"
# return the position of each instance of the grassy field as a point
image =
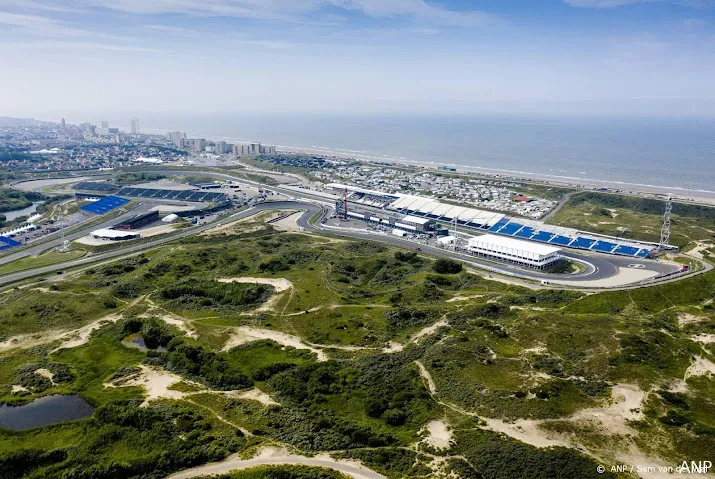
(46, 259)
(324, 374)
(636, 218)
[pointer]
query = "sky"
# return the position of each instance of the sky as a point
(414, 57)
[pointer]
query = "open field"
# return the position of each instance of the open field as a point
(45, 259)
(259, 337)
(636, 218)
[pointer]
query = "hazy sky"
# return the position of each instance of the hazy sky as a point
(625, 57)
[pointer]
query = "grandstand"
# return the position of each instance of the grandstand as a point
(7, 243)
(104, 205)
(566, 237)
(433, 209)
(198, 196)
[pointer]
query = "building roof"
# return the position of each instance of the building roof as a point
(512, 243)
(416, 220)
(108, 233)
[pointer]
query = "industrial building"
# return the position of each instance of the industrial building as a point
(113, 235)
(513, 251)
(410, 224)
(138, 221)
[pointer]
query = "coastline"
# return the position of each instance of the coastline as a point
(706, 197)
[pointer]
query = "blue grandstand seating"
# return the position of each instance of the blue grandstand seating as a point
(544, 236)
(642, 253)
(603, 246)
(6, 243)
(510, 229)
(561, 240)
(105, 205)
(626, 250)
(499, 224)
(584, 243)
(525, 232)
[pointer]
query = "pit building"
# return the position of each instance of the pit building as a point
(513, 251)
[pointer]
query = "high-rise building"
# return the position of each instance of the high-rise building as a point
(221, 148)
(64, 125)
(135, 126)
(199, 145)
(179, 142)
(236, 150)
(254, 149)
(105, 124)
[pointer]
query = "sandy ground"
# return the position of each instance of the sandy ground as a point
(525, 430)
(45, 373)
(687, 318)
(627, 400)
(625, 276)
(173, 208)
(246, 334)
(280, 456)
(157, 382)
(156, 230)
(40, 184)
(289, 223)
(81, 335)
(254, 395)
(438, 434)
(18, 389)
(704, 338)
(698, 250)
(173, 320)
(700, 367)
(231, 227)
(464, 298)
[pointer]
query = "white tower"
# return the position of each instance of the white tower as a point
(665, 230)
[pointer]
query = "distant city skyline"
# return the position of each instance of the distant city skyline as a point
(582, 57)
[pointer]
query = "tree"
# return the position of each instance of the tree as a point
(447, 266)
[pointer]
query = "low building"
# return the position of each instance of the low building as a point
(113, 235)
(513, 251)
(137, 221)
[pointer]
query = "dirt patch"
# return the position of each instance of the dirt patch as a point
(464, 298)
(244, 334)
(700, 367)
(704, 338)
(16, 388)
(626, 403)
(45, 373)
(155, 381)
(254, 395)
(525, 430)
(438, 434)
(686, 318)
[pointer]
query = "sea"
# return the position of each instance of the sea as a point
(677, 153)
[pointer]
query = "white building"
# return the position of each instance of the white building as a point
(114, 235)
(514, 251)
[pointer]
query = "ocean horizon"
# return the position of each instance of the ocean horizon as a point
(667, 153)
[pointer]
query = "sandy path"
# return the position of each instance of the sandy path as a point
(245, 334)
(686, 318)
(280, 456)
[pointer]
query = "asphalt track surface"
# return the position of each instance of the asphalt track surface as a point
(598, 267)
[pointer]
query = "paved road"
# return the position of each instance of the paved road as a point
(601, 266)
(237, 463)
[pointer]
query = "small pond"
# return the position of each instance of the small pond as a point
(11, 215)
(136, 341)
(43, 412)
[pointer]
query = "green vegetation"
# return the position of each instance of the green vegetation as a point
(283, 472)
(635, 217)
(331, 378)
(45, 259)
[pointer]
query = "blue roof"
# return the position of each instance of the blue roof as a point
(544, 236)
(584, 243)
(561, 240)
(643, 253)
(105, 205)
(525, 232)
(626, 250)
(499, 224)
(603, 246)
(6, 243)
(510, 229)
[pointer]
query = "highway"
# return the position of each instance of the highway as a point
(600, 267)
